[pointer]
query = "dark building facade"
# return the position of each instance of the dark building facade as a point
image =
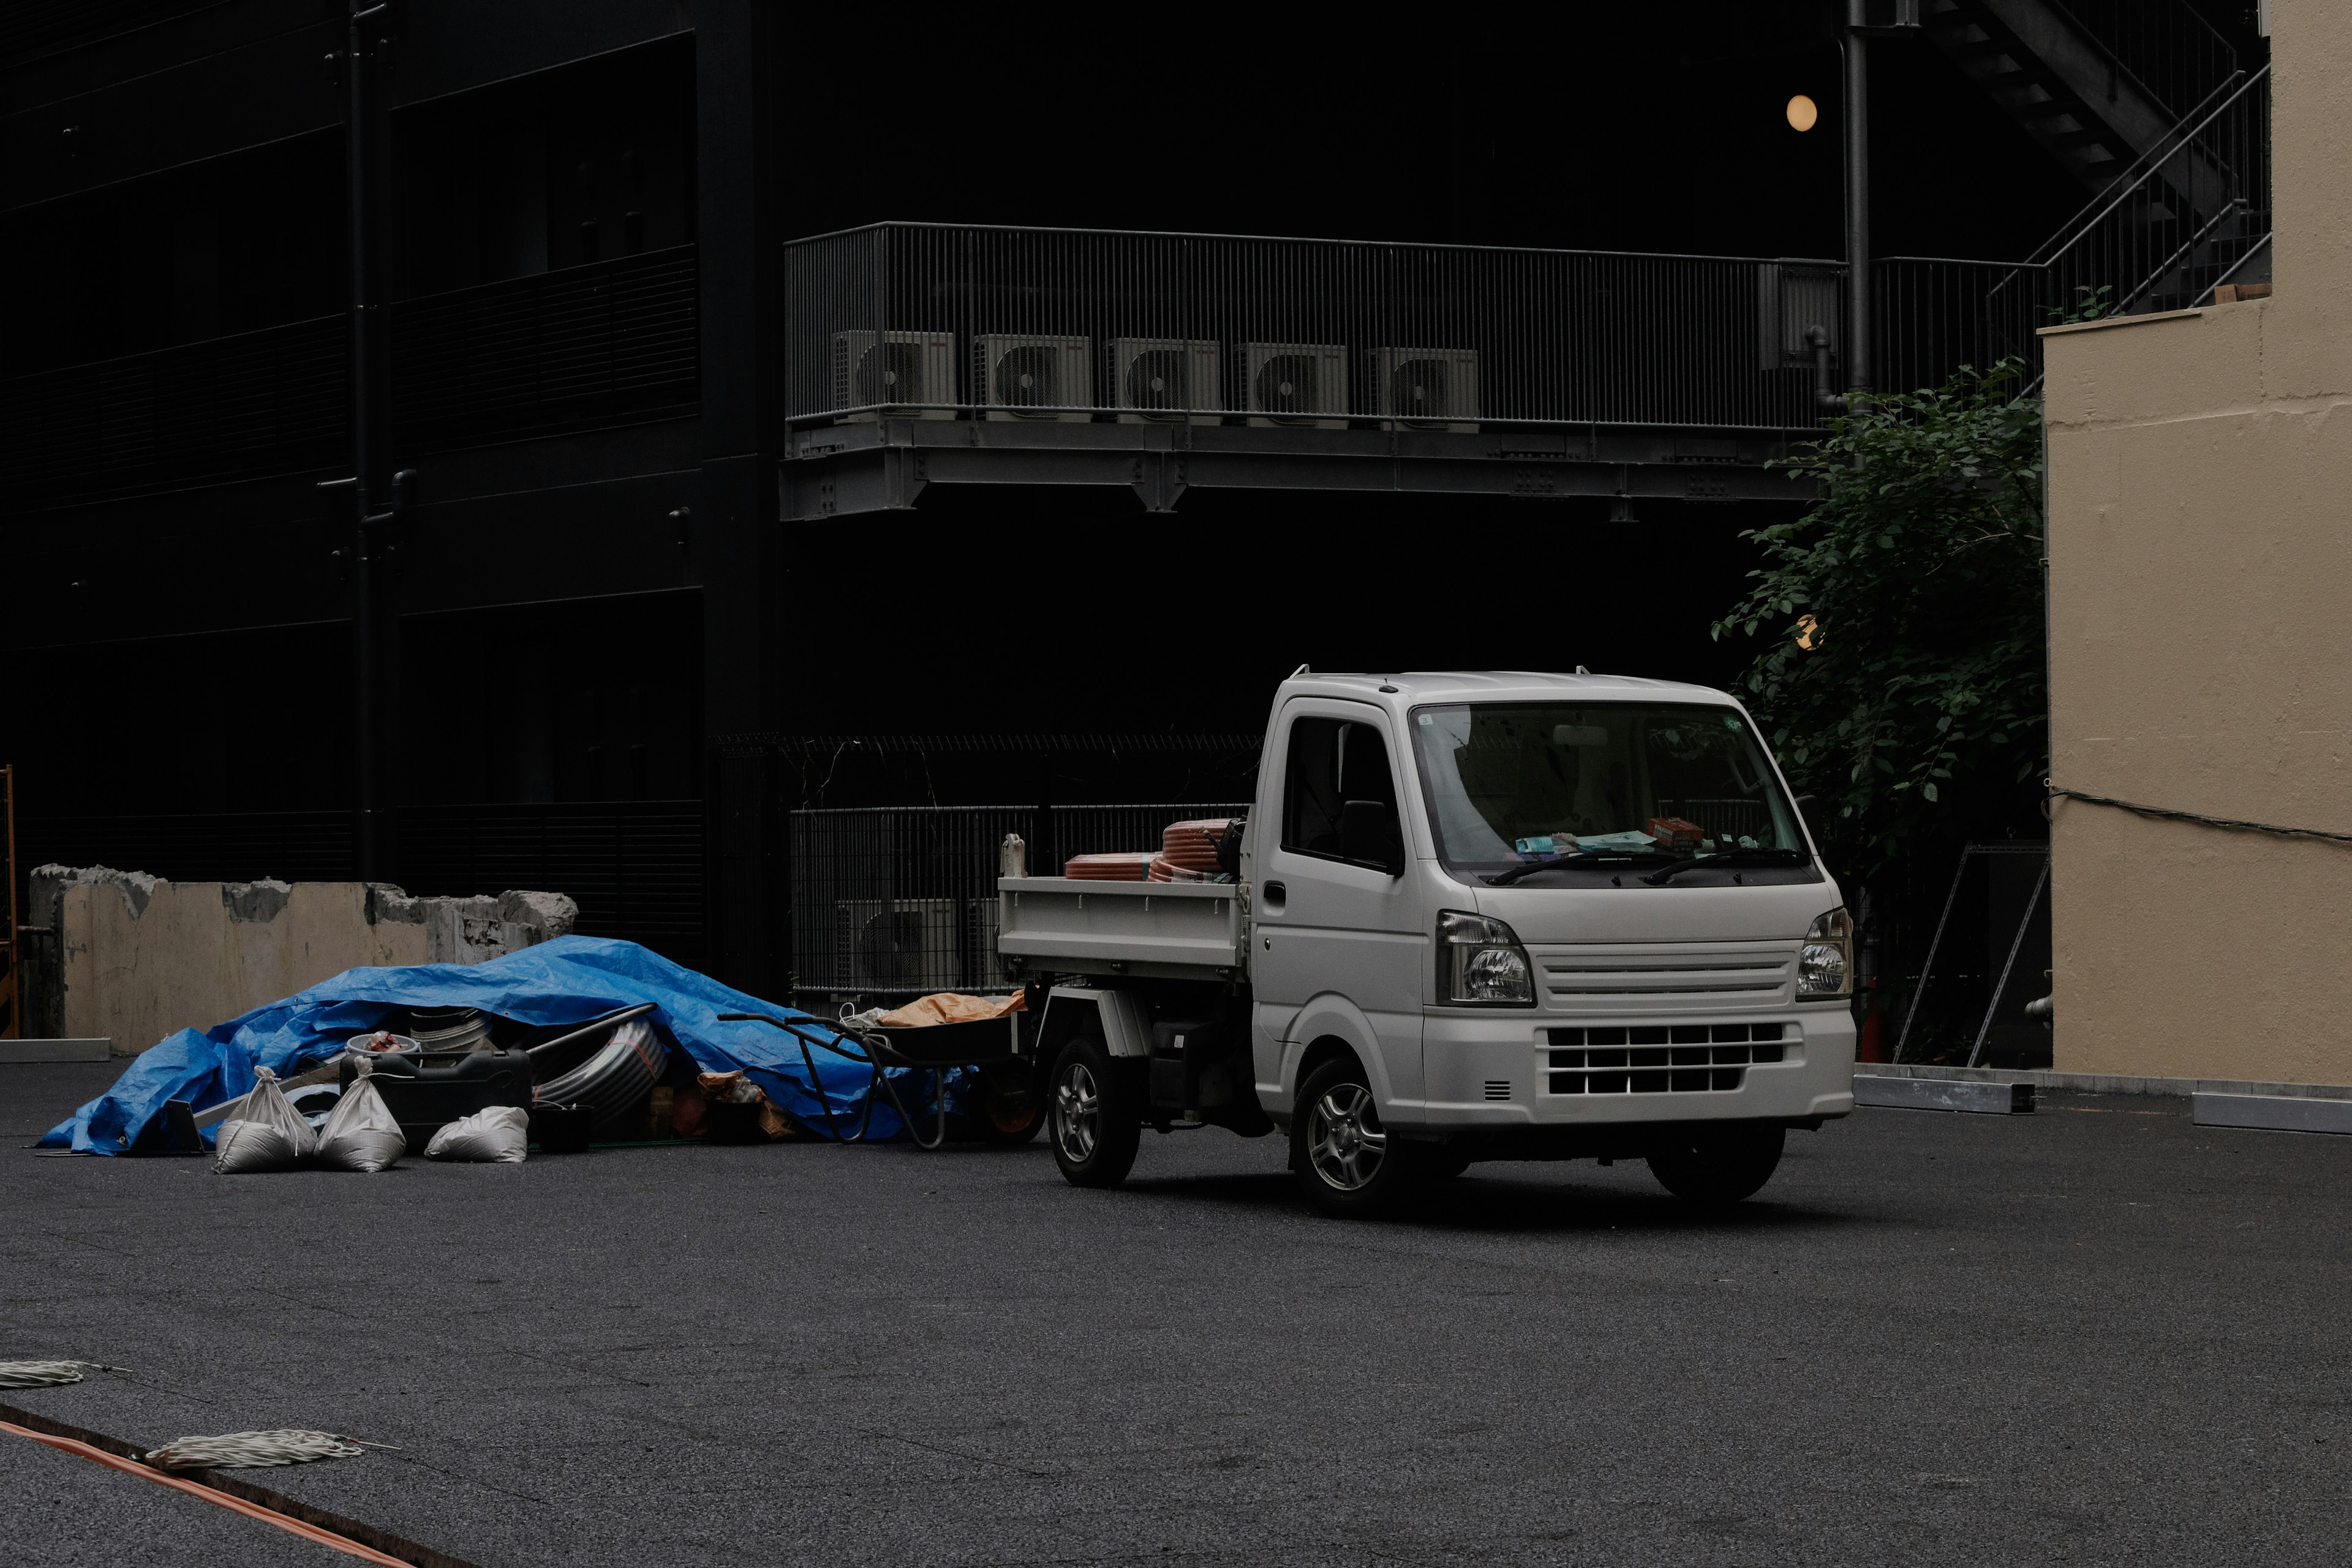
(610, 648)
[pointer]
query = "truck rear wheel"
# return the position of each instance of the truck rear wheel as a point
(1095, 1109)
(1715, 1167)
(1345, 1162)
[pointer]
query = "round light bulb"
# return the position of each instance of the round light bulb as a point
(1803, 114)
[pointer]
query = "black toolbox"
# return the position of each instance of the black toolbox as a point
(425, 1096)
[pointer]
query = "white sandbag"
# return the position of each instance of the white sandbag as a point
(499, 1135)
(265, 1134)
(360, 1133)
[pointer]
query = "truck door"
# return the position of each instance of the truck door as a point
(1326, 924)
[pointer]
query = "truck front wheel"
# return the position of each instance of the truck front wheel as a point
(1095, 1109)
(1717, 1166)
(1345, 1162)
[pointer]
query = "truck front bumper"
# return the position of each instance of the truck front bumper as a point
(1485, 1073)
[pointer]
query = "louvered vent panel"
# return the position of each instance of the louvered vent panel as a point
(634, 868)
(603, 343)
(245, 406)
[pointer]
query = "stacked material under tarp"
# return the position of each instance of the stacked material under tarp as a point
(570, 981)
(1127, 866)
(1189, 852)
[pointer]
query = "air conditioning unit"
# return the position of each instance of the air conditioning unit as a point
(902, 375)
(1295, 383)
(1165, 380)
(903, 944)
(1021, 375)
(1791, 297)
(1426, 389)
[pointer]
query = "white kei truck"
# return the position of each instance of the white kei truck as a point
(1471, 916)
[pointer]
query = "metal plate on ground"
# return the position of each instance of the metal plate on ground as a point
(2271, 1113)
(1990, 1098)
(55, 1051)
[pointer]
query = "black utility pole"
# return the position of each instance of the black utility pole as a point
(1886, 18)
(373, 616)
(1857, 202)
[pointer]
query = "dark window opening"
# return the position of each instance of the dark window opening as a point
(1331, 762)
(587, 162)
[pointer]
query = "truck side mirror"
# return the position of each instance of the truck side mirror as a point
(1368, 836)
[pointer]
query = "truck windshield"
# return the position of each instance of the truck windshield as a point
(1511, 784)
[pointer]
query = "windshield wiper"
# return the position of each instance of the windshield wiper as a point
(1506, 877)
(1665, 874)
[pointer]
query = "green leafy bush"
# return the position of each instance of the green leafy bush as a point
(1903, 679)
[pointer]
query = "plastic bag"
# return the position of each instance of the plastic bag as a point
(360, 1133)
(267, 1134)
(948, 1007)
(500, 1136)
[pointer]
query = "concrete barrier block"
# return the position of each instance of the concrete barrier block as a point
(2271, 1113)
(1993, 1099)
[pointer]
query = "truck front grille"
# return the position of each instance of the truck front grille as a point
(1659, 1059)
(1739, 973)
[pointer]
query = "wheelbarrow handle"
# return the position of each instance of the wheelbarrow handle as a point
(799, 1030)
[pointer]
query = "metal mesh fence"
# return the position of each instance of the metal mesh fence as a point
(1033, 323)
(890, 902)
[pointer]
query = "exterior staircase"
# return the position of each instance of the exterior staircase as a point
(2099, 83)
(2152, 111)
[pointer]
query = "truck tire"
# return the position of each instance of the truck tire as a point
(1715, 1167)
(1095, 1111)
(1346, 1163)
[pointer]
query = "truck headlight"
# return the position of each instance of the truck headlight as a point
(1481, 963)
(1825, 964)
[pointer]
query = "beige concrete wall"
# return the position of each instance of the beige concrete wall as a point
(141, 958)
(2200, 581)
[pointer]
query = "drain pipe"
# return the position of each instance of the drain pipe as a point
(372, 619)
(1824, 400)
(1857, 203)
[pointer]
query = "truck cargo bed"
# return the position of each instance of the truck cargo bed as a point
(1177, 930)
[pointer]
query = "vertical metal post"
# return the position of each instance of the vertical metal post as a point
(2000, 986)
(1927, 970)
(362, 150)
(12, 935)
(1857, 210)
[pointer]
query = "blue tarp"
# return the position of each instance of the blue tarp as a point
(572, 980)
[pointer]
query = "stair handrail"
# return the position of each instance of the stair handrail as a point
(2137, 173)
(2235, 205)
(2038, 259)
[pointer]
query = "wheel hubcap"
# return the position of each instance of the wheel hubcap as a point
(1077, 1114)
(1344, 1141)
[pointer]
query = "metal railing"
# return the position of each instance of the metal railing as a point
(890, 902)
(2158, 240)
(1032, 323)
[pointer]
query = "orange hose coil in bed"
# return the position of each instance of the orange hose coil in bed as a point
(1126, 866)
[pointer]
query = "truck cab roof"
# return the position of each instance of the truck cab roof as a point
(1402, 690)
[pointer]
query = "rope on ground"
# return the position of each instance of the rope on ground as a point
(254, 1450)
(2165, 814)
(48, 1374)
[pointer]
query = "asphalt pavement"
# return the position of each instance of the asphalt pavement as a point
(2094, 1334)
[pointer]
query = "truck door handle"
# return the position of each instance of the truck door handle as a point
(1274, 893)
